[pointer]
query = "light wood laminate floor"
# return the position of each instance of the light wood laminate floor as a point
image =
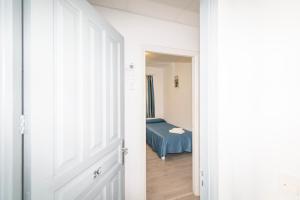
(170, 179)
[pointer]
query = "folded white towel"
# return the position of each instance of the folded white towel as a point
(177, 130)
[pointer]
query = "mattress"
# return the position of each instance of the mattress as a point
(163, 142)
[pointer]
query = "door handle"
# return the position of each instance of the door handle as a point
(124, 151)
(97, 172)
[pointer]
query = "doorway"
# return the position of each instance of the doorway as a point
(171, 70)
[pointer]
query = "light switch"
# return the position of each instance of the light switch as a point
(290, 188)
(130, 77)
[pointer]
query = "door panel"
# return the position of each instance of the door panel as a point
(95, 75)
(67, 93)
(109, 190)
(115, 187)
(73, 103)
(80, 186)
(113, 82)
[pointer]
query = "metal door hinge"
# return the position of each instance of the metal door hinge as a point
(124, 150)
(202, 178)
(22, 124)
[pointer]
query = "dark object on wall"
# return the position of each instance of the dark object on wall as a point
(176, 81)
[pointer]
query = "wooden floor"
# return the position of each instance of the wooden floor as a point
(170, 179)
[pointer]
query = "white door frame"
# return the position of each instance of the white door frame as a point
(195, 101)
(209, 100)
(10, 99)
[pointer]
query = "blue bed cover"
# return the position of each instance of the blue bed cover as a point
(163, 142)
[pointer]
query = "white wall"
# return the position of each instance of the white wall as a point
(178, 101)
(258, 99)
(140, 32)
(158, 79)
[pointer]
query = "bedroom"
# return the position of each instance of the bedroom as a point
(169, 126)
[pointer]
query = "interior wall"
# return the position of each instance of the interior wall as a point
(258, 100)
(140, 32)
(173, 104)
(178, 101)
(159, 93)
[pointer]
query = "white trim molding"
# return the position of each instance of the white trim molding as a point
(10, 99)
(208, 99)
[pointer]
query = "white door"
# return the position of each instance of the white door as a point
(73, 103)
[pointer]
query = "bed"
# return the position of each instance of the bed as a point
(163, 142)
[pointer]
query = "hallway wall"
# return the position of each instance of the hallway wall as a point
(258, 100)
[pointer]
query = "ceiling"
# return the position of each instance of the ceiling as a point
(191, 5)
(158, 59)
(178, 11)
